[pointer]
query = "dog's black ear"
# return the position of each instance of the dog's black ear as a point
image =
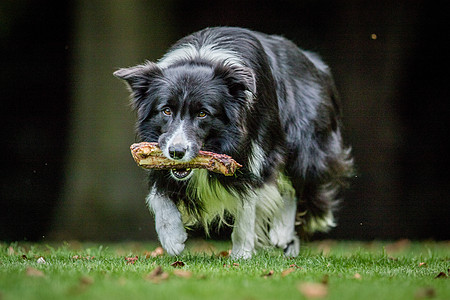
(140, 76)
(238, 78)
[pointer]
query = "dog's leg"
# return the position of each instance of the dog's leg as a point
(243, 236)
(282, 232)
(170, 229)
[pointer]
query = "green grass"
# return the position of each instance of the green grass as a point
(342, 270)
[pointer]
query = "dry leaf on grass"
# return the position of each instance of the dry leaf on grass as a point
(159, 251)
(357, 276)
(287, 272)
(32, 272)
(271, 272)
(423, 264)
(86, 281)
(81, 257)
(131, 260)
(157, 275)
(313, 290)
(224, 254)
(393, 258)
(177, 264)
(295, 266)
(441, 275)
(424, 293)
(182, 273)
(83, 284)
(325, 279)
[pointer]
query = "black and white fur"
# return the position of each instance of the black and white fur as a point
(260, 99)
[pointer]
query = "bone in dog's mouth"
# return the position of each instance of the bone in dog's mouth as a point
(149, 156)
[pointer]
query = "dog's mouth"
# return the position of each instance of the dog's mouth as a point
(181, 174)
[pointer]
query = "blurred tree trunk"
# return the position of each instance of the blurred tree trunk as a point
(105, 190)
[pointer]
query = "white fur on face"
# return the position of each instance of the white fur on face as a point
(179, 138)
(168, 224)
(208, 52)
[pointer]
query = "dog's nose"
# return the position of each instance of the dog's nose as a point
(177, 151)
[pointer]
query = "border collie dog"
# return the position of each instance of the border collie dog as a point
(263, 101)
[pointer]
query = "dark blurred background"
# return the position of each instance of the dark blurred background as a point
(66, 171)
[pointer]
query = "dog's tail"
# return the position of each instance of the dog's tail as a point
(319, 198)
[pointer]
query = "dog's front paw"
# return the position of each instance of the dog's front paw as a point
(172, 238)
(241, 253)
(292, 249)
(281, 235)
(278, 237)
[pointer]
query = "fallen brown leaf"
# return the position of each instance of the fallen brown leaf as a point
(86, 281)
(81, 257)
(426, 292)
(131, 260)
(157, 275)
(177, 264)
(271, 272)
(83, 284)
(32, 272)
(182, 273)
(357, 276)
(423, 264)
(287, 272)
(224, 253)
(393, 258)
(159, 251)
(295, 266)
(313, 290)
(441, 275)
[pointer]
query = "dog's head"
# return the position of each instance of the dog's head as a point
(190, 106)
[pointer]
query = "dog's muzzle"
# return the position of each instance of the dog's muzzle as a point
(178, 152)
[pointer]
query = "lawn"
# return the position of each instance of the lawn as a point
(324, 269)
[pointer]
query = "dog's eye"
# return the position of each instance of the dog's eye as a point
(202, 114)
(167, 111)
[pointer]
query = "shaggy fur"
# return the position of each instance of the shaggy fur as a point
(260, 99)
